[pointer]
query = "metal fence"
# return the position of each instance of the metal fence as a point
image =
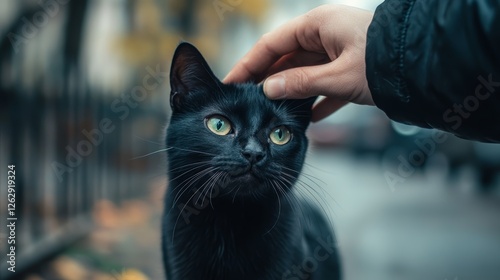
(65, 141)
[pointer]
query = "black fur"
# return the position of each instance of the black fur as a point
(230, 211)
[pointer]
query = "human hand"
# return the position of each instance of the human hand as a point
(319, 53)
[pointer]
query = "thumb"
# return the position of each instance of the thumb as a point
(293, 84)
(303, 82)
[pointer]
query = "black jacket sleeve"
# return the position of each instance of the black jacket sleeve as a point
(436, 64)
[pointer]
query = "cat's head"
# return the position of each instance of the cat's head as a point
(230, 139)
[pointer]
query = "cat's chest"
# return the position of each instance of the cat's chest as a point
(225, 255)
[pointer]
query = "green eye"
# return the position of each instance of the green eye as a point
(280, 135)
(218, 125)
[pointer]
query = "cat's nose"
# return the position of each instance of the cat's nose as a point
(253, 152)
(253, 156)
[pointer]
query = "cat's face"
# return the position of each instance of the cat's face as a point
(231, 137)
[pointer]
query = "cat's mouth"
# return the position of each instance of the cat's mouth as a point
(248, 174)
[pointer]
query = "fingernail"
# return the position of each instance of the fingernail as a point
(274, 87)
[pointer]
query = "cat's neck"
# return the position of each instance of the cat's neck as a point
(226, 212)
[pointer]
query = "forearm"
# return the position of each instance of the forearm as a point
(437, 64)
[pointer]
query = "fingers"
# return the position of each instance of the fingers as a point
(327, 79)
(269, 49)
(326, 107)
(319, 53)
(299, 58)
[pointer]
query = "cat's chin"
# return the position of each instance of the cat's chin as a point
(245, 184)
(249, 179)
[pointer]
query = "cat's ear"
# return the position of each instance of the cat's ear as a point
(189, 73)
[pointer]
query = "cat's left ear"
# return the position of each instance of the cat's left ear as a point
(189, 74)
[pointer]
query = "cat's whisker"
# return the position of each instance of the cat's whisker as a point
(199, 164)
(148, 141)
(161, 171)
(297, 207)
(279, 210)
(321, 188)
(208, 185)
(193, 151)
(149, 154)
(289, 182)
(312, 193)
(186, 204)
(235, 193)
(223, 175)
(322, 193)
(182, 190)
(306, 186)
(305, 174)
(316, 168)
(313, 180)
(186, 184)
(204, 188)
(296, 204)
(177, 220)
(190, 177)
(200, 190)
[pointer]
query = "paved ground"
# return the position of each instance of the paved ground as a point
(424, 228)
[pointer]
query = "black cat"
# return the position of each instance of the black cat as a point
(234, 156)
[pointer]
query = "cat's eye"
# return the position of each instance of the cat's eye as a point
(218, 125)
(280, 135)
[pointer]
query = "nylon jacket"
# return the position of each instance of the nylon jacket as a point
(436, 64)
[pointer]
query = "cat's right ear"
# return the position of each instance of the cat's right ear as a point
(189, 74)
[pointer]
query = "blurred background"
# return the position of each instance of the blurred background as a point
(84, 104)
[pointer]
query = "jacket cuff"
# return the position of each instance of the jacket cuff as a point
(385, 61)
